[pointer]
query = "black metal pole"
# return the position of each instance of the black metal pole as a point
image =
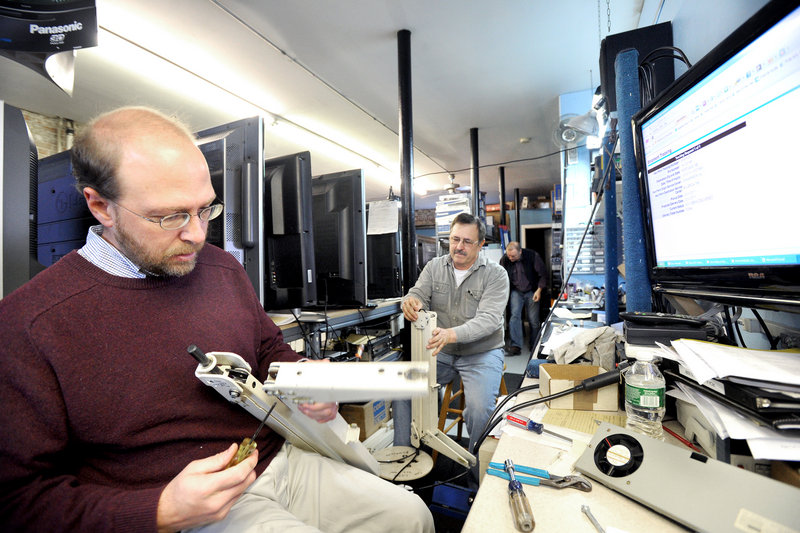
(502, 196)
(406, 135)
(402, 408)
(474, 177)
(517, 224)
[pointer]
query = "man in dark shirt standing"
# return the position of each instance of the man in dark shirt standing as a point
(528, 277)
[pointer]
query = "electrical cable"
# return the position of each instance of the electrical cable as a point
(444, 482)
(488, 165)
(596, 382)
(603, 184)
(328, 328)
(729, 331)
(773, 342)
(493, 423)
(739, 333)
(647, 72)
(369, 340)
(416, 453)
(306, 335)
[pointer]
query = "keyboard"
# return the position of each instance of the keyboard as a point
(661, 319)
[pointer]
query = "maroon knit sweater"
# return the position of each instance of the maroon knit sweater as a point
(99, 405)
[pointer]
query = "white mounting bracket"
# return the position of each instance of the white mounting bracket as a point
(424, 410)
(230, 376)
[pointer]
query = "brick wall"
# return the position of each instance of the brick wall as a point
(51, 134)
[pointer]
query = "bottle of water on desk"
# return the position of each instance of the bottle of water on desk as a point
(644, 398)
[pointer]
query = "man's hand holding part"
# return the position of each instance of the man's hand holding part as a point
(439, 338)
(204, 491)
(321, 412)
(410, 306)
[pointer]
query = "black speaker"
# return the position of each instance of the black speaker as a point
(644, 40)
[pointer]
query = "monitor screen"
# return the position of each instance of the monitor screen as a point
(340, 242)
(289, 234)
(719, 187)
(235, 156)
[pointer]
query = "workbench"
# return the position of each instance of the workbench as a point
(553, 509)
(312, 324)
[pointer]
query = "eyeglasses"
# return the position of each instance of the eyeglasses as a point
(455, 241)
(179, 220)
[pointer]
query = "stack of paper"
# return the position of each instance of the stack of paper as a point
(716, 366)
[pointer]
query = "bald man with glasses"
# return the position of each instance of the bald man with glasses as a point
(105, 426)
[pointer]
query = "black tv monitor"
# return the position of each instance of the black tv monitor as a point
(289, 233)
(384, 257)
(63, 218)
(18, 164)
(235, 156)
(719, 181)
(340, 244)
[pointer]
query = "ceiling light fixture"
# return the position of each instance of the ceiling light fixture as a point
(169, 75)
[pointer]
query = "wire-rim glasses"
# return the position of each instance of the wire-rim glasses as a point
(179, 220)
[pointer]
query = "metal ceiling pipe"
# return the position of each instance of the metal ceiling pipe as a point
(502, 196)
(406, 136)
(517, 224)
(401, 409)
(474, 180)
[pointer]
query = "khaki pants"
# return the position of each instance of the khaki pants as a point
(304, 492)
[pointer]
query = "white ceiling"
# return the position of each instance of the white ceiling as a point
(331, 67)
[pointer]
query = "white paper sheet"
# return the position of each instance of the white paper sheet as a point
(383, 217)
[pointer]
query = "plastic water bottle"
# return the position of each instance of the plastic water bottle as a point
(644, 398)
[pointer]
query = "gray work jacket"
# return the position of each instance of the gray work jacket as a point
(475, 309)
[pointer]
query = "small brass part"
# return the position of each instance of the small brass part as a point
(245, 449)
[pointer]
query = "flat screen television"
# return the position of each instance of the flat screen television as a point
(340, 244)
(235, 156)
(18, 177)
(289, 233)
(384, 266)
(384, 250)
(718, 177)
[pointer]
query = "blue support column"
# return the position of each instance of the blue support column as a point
(637, 278)
(610, 241)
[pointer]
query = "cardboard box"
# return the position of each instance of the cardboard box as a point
(369, 416)
(556, 378)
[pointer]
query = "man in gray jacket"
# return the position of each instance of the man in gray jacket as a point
(468, 292)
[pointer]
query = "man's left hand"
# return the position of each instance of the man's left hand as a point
(537, 295)
(321, 412)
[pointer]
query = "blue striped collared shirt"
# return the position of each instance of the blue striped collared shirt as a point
(102, 254)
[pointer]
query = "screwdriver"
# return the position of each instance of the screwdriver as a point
(249, 444)
(520, 507)
(526, 423)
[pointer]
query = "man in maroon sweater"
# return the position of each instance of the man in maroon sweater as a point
(104, 425)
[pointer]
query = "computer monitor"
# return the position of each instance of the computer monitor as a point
(719, 181)
(63, 217)
(384, 250)
(384, 266)
(235, 156)
(340, 244)
(289, 233)
(18, 169)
